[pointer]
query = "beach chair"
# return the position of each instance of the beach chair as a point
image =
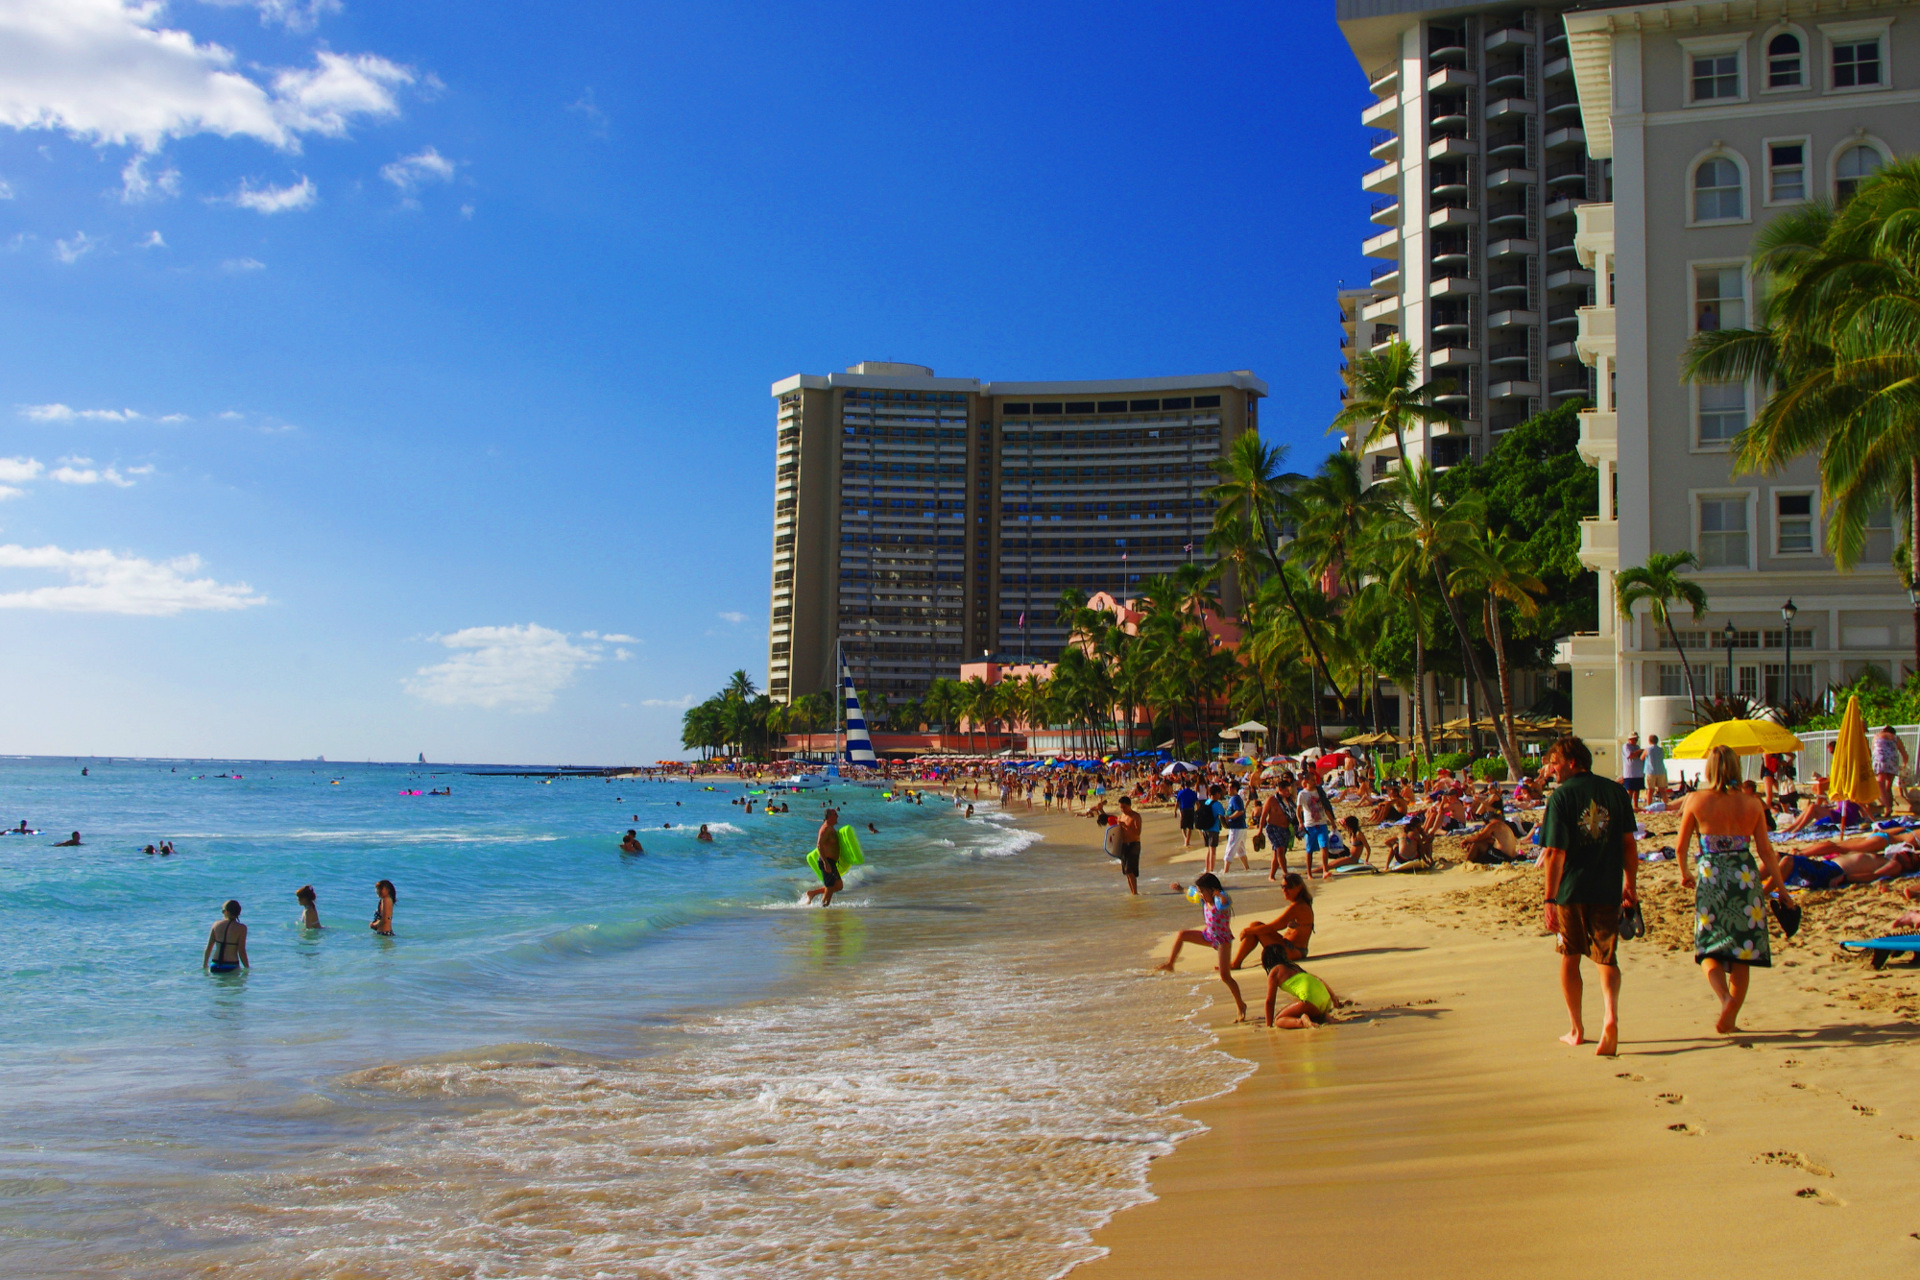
(1884, 949)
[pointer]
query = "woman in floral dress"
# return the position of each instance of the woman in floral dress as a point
(1736, 867)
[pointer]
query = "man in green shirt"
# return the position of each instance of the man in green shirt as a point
(1591, 864)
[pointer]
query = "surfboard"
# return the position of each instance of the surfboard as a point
(1884, 949)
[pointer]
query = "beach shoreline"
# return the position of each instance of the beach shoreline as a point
(1440, 1125)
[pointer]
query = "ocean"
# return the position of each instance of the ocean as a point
(567, 1062)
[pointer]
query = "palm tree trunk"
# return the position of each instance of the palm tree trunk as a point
(1421, 729)
(1693, 694)
(1514, 766)
(1913, 556)
(1498, 636)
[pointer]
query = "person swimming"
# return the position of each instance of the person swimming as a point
(226, 942)
(631, 842)
(71, 842)
(705, 834)
(309, 910)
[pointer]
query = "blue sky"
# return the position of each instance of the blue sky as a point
(393, 378)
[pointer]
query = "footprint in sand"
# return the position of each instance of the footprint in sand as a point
(1671, 1099)
(1866, 1111)
(1907, 1137)
(1634, 1076)
(1818, 1196)
(1691, 1131)
(1794, 1160)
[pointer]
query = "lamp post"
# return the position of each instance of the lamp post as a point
(1727, 636)
(1787, 615)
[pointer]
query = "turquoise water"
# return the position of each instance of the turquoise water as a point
(566, 1061)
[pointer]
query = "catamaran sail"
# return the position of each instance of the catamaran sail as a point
(859, 743)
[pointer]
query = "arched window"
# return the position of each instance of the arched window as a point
(1855, 165)
(1785, 68)
(1716, 191)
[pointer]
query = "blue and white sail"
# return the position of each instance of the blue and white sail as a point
(859, 742)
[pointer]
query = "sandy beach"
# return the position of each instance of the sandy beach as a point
(1440, 1128)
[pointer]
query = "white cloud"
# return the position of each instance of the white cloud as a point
(586, 107)
(291, 14)
(153, 241)
(108, 582)
(66, 413)
(8, 491)
(300, 195)
(239, 265)
(71, 251)
(735, 618)
(105, 71)
(6, 191)
(137, 185)
(517, 667)
(409, 172)
(684, 701)
(20, 470)
(622, 655)
(82, 471)
(611, 637)
(466, 210)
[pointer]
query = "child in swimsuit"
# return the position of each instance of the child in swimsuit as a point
(1313, 1000)
(1216, 915)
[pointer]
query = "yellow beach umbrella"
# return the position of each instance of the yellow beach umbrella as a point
(1746, 737)
(1851, 776)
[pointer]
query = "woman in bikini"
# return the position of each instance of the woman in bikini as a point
(382, 922)
(1288, 934)
(309, 907)
(226, 943)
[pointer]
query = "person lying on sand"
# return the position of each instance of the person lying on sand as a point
(1834, 870)
(1291, 931)
(1313, 1000)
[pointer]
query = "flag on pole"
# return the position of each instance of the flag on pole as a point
(859, 742)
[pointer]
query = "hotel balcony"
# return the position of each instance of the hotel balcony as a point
(1560, 139)
(1386, 210)
(1450, 217)
(1512, 319)
(1512, 38)
(1512, 247)
(1388, 306)
(1556, 68)
(1382, 179)
(1600, 544)
(1385, 146)
(1513, 390)
(1509, 107)
(1450, 147)
(1450, 78)
(1384, 245)
(1453, 287)
(1599, 437)
(1564, 206)
(1584, 649)
(1570, 278)
(1593, 232)
(1386, 277)
(1384, 80)
(1382, 114)
(1442, 357)
(1596, 337)
(1500, 178)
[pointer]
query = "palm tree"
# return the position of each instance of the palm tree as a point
(1498, 566)
(1385, 397)
(1658, 583)
(979, 706)
(1252, 482)
(739, 685)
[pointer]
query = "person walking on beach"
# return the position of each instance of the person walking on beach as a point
(1207, 817)
(1633, 769)
(1236, 831)
(1316, 821)
(309, 906)
(1656, 769)
(1186, 799)
(1889, 761)
(1129, 823)
(1277, 823)
(1591, 870)
(382, 922)
(827, 842)
(1216, 931)
(226, 943)
(1730, 900)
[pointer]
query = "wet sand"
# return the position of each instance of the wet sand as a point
(1441, 1129)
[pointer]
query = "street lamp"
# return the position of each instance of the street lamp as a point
(1727, 636)
(1787, 615)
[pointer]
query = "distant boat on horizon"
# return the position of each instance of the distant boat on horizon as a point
(423, 757)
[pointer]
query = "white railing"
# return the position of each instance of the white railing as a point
(1818, 756)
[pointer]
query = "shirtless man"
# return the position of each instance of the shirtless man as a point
(828, 843)
(630, 843)
(1129, 823)
(1832, 863)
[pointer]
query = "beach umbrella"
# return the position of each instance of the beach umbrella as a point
(1176, 768)
(1746, 737)
(1851, 776)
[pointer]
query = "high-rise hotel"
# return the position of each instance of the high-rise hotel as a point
(1478, 162)
(920, 521)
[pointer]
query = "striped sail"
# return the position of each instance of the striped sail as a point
(859, 743)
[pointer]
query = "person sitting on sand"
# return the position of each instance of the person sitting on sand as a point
(1527, 794)
(1216, 914)
(1313, 1000)
(1413, 845)
(1445, 814)
(1354, 848)
(309, 907)
(630, 843)
(1291, 931)
(226, 943)
(71, 842)
(386, 895)
(1496, 843)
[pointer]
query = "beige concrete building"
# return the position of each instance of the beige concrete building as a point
(920, 522)
(1714, 118)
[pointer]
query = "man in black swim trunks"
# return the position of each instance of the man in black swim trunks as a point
(1129, 823)
(828, 845)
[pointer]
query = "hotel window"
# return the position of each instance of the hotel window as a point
(1716, 191)
(1856, 63)
(1855, 165)
(1716, 76)
(1673, 681)
(1793, 524)
(1719, 299)
(1878, 549)
(1723, 533)
(1784, 67)
(1786, 172)
(1723, 412)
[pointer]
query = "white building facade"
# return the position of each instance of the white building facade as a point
(1716, 117)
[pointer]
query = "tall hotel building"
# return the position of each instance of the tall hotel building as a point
(919, 521)
(1478, 163)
